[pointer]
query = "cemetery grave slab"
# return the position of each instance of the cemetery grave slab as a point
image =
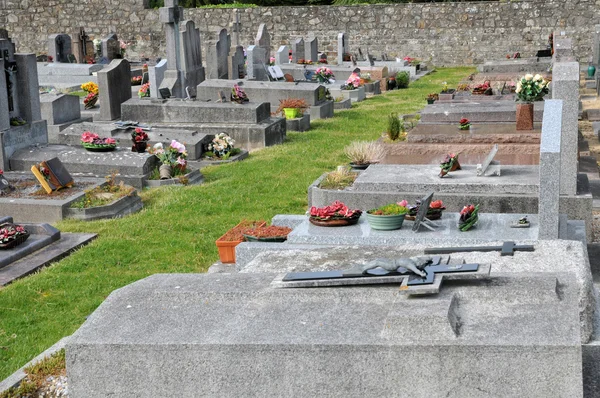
(65, 69)
(121, 207)
(342, 73)
(477, 134)
(60, 111)
(476, 112)
(356, 95)
(347, 341)
(41, 235)
(192, 178)
(298, 124)
(525, 65)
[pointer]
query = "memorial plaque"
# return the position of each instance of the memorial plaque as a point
(482, 168)
(421, 219)
(52, 175)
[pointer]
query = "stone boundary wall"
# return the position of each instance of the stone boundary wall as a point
(445, 33)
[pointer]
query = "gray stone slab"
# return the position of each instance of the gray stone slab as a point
(596, 45)
(488, 160)
(156, 74)
(476, 112)
(282, 55)
(177, 111)
(58, 69)
(52, 253)
(111, 47)
(550, 170)
(4, 109)
(121, 207)
(41, 235)
(114, 86)
(298, 50)
(191, 57)
(356, 95)
(344, 104)
(28, 88)
(342, 47)
(479, 133)
(256, 58)
(59, 47)
(20, 137)
(59, 108)
(520, 65)
(222, 323)
(298, 124)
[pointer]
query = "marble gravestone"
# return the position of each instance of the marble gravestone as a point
(59, 47)
(263, 40)
(256, 58)
(312, 49)
(342, 48)
(236, 63)
(217, 67)
(297, 50)
(156, 75)
(114, 85)
(282, 56)
(172, 83)
(191, 57)
(111, 47)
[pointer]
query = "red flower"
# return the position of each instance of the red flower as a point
(464, 121)
(436, 204)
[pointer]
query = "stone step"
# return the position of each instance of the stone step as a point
(78, 160)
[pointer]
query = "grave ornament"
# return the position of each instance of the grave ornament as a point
(489, 166)
(421, 219)
(52, 175)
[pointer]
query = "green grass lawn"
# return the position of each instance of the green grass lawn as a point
(176, 230)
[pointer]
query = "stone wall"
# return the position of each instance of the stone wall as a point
(445, 33)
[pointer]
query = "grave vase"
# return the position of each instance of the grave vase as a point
(525, 116)
(139, 147)
(591, 71)
(166, 171)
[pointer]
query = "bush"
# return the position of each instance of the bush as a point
(394, 127)
(402, 79)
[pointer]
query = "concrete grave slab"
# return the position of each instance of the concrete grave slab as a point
(476, 112)
(479, 133)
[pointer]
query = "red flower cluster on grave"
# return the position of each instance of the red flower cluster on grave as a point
(467, 210)
(10, 232)
(88, 137)
(437, 204)
(336, 210)
(139, 135)
(464, 120)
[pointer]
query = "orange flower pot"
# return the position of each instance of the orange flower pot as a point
(226, 247)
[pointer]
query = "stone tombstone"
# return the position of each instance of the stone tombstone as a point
(217, 57)
(191, 56)
(263, 40)
(170, 15)
(312, 49)
(550, 169)
(298, 50)
(489, 163)
(236, 63)
(595, 48)
(111, 47)
(282, 56)
(156, 74)
(565, 87)
(236, 28)
(80, 42)
(256, 58)
(342, 47)
(9, 104)
(59, 47)
(114, 85)
(4, 34)
(4, 105)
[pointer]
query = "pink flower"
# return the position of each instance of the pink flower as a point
(403, 203)
(88, 137)
(109, 141)
(178, 146)
(181, 161)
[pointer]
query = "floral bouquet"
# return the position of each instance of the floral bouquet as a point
(123, 46)
(91, 98)
(352, 83)
(144, 91)
(221, 145)
(272, 61)
(323, 74)
(139, 135)
(481, 89)
(450, 163)
(469, 216)
(336, 211)
(92, 141)
(464, 124)
(531, 88)
(174, 155)
(12, 235)
(238, 95)
(434, 211)
(136, 80)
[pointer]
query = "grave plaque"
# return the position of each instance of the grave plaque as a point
(420, 219)
(59, 47)
(111, 47)
(52, 175)
(489, 164)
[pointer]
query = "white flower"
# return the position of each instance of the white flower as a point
(528, 77)
(518, 90)
(158, 146)
(538, 78)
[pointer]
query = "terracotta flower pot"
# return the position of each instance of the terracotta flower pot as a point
(525, 116)
(226, 247)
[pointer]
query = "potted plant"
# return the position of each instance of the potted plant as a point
(324, 75)
(434, 212)
(402, 79)
(238, 95)
(396, 130)
(144, 91)
(136, 80)
(450, 163)
(12, 235)
(227, 242)
(91, 98)
(174, 156)
(431, 98)
(352, 83)
(464, 124)
(92, 142)
(221, 147)
(447, 94)
(140, 140)
(263, 233)
(336, 214)
(469, 216)
(529, 89)
(463, 88)
(363, 153)
(483, 89)
(387, 218)
(292, 108)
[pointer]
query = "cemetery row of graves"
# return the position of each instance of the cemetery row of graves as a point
(306, 177)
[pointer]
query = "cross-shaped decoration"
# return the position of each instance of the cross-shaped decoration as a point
(416, 275)
(507, 249)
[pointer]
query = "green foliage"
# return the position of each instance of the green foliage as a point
(402, 79)
(338, 179)
(36, 374)
(394, 127)
(389, 210)
(531, 88)
(38, 310)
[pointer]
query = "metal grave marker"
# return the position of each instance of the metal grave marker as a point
(489, 164)
(420, 219)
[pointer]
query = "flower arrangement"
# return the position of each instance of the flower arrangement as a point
(412, 61)
(271, 233)
(463, 87)
(174, 155)
(431, 98)
(389, 210)
(434, 211)
(97, 46)
(92, 141)
(136, 80)
(531, 88)
(123, 46)
(139, 135)
(335, 211)
(303, 61)
(352, 83)
(484, 88)
(408, 59)
(50, 58)
(464, 124)
(144, 91)
(222, 145)
(450, 163)
(12, 235)
(272, 61)
(323, 74)
(91, 98)
(444, 87)
(238, 95)
(17, 121)
(292, 103)
(469, 216)
(366, 78)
